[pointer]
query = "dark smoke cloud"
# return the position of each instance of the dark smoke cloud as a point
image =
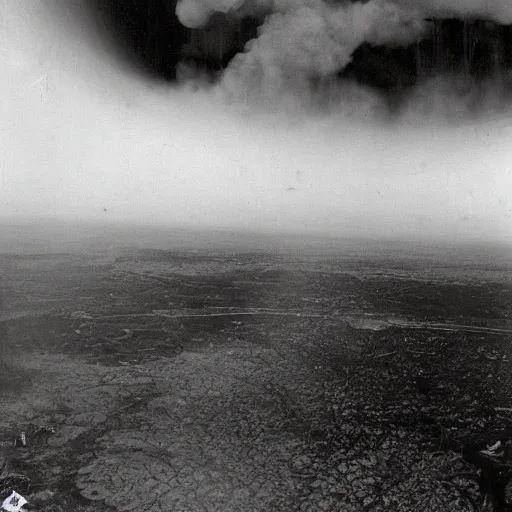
(314, 42)
(304, 45)
(300, 42)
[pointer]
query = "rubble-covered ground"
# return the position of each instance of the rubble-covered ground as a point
(219, 381)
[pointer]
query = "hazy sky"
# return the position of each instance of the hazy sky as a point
(80, 133)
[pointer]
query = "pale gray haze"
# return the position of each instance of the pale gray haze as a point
(84, 137)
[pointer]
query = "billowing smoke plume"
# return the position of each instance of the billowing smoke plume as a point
(314, 42)
(304, 42)
(497, 10)
(302, 45)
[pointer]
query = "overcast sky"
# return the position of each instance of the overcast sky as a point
(82, 133)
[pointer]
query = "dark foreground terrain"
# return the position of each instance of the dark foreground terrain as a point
(229, 381)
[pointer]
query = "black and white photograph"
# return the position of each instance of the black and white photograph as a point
(256, 255)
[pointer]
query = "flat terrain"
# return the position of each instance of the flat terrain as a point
(252, 381)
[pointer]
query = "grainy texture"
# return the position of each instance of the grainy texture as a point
(256, 382)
